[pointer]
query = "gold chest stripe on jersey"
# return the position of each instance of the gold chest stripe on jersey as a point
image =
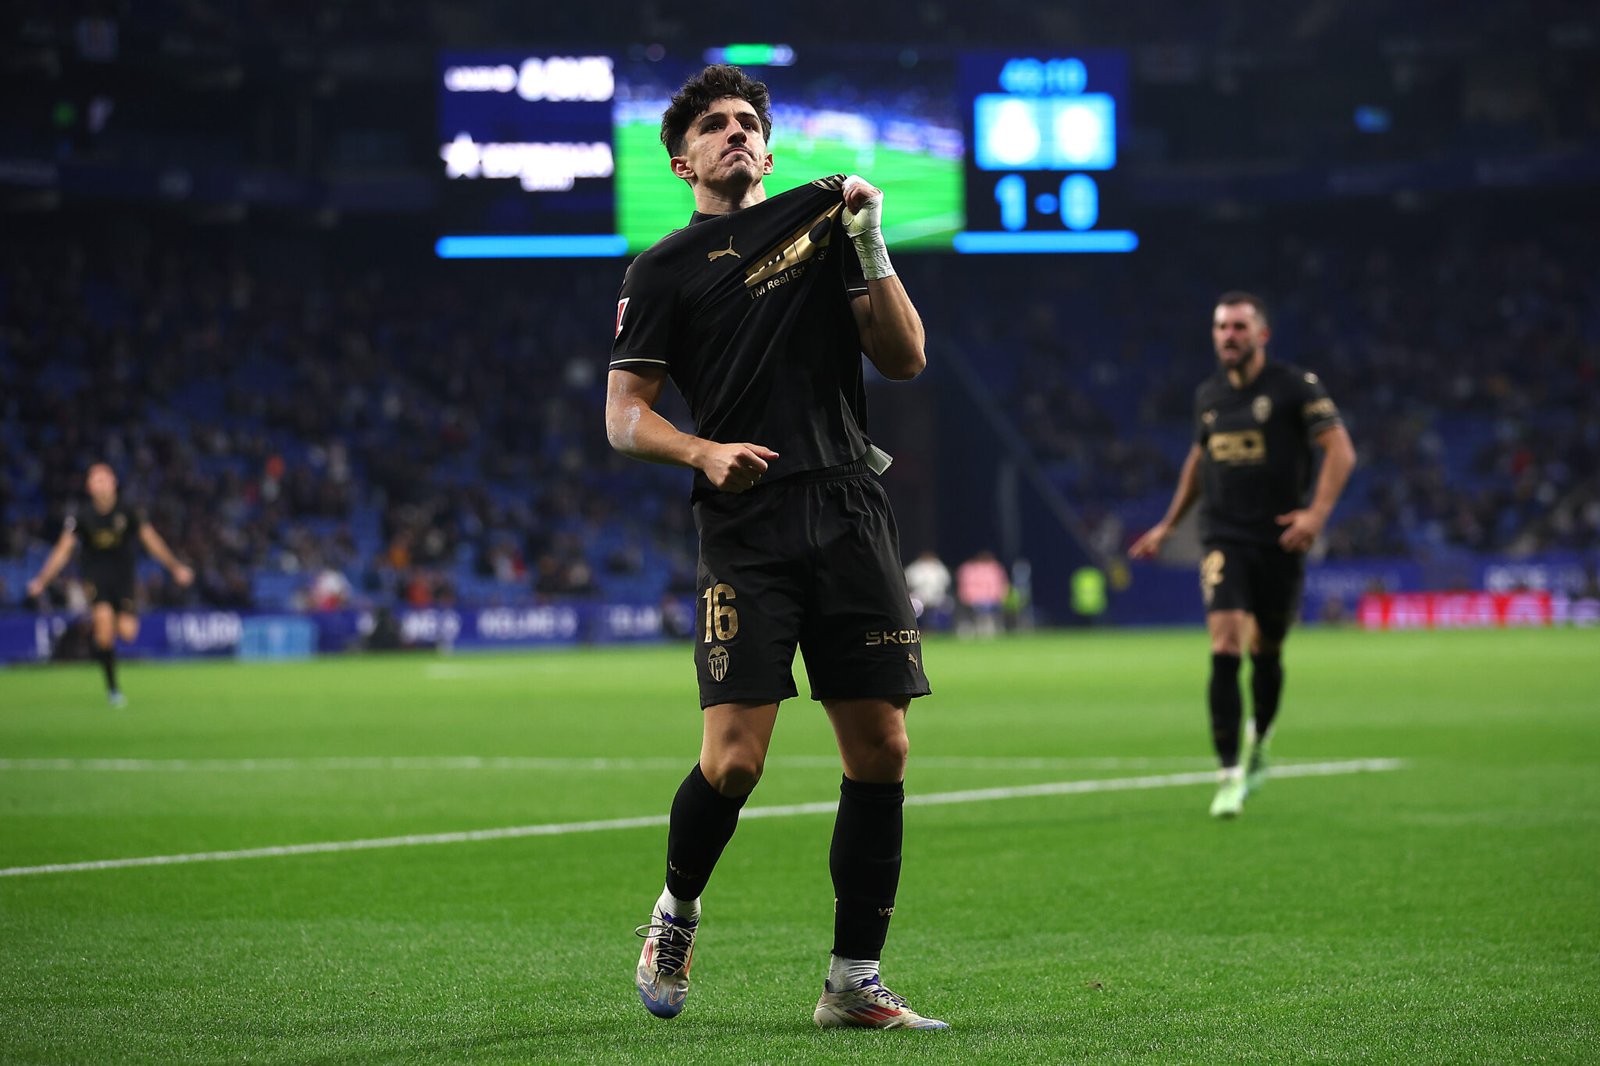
(800, 246)
(1242, 446)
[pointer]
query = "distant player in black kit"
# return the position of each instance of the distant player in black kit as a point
(1256, 423)
(759, 311)
(107, 531)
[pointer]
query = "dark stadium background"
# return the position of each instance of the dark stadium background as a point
(217, 272)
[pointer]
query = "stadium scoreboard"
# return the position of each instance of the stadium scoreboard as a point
(546, 154)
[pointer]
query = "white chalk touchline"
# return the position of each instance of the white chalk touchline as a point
(933, 799)
(320, 764)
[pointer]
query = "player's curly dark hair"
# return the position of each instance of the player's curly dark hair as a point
(706, 88)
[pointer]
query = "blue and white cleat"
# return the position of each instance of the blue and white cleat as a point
(869, 1006)
(663, 974)
(116, 698)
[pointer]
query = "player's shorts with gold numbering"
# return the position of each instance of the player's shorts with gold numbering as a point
(1260, 578)
(113, 588)
(811, 561)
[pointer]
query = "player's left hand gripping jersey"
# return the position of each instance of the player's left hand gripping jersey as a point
(749, 313)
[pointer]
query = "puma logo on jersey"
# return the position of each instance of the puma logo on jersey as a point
(712, 257)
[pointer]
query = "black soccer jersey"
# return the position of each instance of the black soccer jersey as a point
(109, 542)
(1256, 445)
(749, 313)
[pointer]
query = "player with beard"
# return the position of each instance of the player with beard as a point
(108, 530)
(759, 310)
(1257, 422)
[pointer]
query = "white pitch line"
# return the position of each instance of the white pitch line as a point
(934, 799)
(518, 762)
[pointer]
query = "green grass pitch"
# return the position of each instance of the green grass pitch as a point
(1447, 911)
(923, 205)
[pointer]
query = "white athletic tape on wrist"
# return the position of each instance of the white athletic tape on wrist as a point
(865, 230)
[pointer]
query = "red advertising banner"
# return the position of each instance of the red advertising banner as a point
(1455, 610)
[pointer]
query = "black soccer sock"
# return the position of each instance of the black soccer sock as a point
(1227, 707)
(702, 823)
(107, 657)
(1266, 687)
(865, 864)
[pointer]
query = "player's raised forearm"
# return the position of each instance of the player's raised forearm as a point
(891, 330)
(894, 339)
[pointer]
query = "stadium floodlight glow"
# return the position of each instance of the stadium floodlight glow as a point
(752, 55)
(1024, 243)
(530, 246)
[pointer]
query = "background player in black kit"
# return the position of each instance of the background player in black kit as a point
(107, 530)
(1256, 423)
(759, 311)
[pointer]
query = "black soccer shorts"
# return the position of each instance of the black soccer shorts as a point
(114, 589)
(811, 561)
(1262, 579)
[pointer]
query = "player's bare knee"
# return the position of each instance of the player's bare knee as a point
(1225, 644)
(881, 758)
(897, 748)
(1228, 629)
(734, 772)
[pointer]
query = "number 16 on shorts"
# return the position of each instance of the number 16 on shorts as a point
(722, 618)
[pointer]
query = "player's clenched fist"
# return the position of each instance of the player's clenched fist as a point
(863, 224)
(736, 467)
(863, 204)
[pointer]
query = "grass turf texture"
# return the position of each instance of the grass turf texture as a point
(1447, 912)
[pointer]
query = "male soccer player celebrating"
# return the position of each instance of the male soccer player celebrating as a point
(107, 529)
(1255, 424)
(759, 311)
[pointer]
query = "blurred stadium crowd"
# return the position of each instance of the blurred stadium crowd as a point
(365, 436)
(394, 436)
(1467, 370)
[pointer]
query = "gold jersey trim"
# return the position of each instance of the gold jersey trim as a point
(800, 246)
